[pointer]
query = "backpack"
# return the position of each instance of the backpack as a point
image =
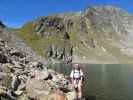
(79, 71)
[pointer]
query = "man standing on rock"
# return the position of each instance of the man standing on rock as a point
(77, 80)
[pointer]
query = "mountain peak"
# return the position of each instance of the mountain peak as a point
(106, 9)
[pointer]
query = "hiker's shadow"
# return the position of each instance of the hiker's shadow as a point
(90, 97)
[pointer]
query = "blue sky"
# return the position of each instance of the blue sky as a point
(14, 13)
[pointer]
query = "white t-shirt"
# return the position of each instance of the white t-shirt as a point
(76, 73)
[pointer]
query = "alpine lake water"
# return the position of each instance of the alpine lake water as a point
(104, 81)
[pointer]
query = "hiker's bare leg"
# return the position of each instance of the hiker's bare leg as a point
(79, 91)
(75, 90)
(76, 93)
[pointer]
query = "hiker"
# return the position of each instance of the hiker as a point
(77, 80)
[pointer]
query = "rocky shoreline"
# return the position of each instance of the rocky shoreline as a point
(22, 78)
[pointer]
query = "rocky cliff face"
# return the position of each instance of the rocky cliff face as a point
(110, 22)
(99, 34)
(115, 26)
(52, 26)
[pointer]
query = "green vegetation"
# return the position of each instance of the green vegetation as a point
(82, 36)
(30, 37)
(36, 42)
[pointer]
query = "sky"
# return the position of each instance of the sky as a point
(15, 13)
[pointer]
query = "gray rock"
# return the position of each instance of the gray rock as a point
(5, 79)
(17, 53)
(37, 89)
(42, 74)
(6, 95)
(3, 58)
(15, 82)
(70, 95)
(15, 74)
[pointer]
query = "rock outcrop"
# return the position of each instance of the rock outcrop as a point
(60, 53)
(49, 23)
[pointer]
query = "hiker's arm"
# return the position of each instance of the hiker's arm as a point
(71, 76)
(72, 80)
(82, 75)
(82, 78)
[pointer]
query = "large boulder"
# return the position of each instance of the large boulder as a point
(3, 58)
(40, 90)
(17, 53)
(70, 95)
(53, 87)
(5, 79)
(41, 74)
(37, 90)
(36, 64)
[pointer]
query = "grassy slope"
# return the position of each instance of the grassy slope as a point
(38, 43)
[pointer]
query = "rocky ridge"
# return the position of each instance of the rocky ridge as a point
(99, 34)
(19, 73)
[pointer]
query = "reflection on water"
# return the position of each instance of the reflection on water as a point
(105, 82)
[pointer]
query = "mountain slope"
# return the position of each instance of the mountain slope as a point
(23, 76)
(99, 34)
(16, 42)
